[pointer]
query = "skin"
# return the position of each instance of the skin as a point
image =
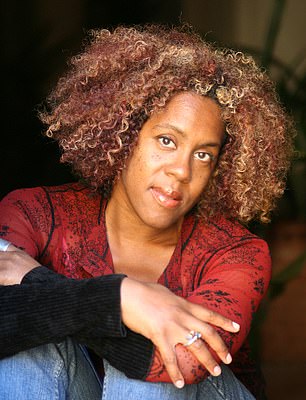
(170, 167)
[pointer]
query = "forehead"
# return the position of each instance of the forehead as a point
(189, 112)
(193, 103)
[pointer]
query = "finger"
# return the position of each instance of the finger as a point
(212, 338)
(214, 318)
(168, 355)
(215, 342)
(202, 353)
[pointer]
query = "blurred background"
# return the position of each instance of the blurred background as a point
(39, 36)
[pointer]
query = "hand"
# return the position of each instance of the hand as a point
(14, 265)
(156, 313)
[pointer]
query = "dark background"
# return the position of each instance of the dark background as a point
(39, 38)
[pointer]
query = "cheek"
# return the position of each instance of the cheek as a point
(137, 170)
(200, 182)
(155, 158)
(202, 177)
(150, 163)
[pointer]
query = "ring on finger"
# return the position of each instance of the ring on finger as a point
(4, 244)
(192, 337)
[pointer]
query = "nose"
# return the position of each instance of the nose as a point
(180, 167)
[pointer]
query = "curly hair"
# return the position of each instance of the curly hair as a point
(97, 110)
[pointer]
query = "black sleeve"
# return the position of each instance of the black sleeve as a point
(91, 307)
(41, 312)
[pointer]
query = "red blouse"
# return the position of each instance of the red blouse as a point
(219, 264)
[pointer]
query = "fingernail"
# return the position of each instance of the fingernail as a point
(217, 371)
(228, 358)
(236, 326)
(179, 384)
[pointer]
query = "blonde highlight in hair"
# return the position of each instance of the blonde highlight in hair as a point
(122, 77)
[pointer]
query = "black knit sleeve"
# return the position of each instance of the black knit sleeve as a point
(37, 313)
(125, 350)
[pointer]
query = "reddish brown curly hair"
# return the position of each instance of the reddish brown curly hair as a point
(122, 77)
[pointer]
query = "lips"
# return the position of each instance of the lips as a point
(166, 197)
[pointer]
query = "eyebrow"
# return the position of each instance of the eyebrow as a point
(173, 127)
(182, 133)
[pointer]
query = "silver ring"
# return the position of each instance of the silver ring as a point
(192, 337)
(4, 244)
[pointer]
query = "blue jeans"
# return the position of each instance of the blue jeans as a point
(224, 387)
(64, 372)
(50, 372)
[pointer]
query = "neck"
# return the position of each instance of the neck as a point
(123, 225)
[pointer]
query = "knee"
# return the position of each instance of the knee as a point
(35, 373)
(45, 357)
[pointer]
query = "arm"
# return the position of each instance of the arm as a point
(32, 314)
(38, 304)
(234, 283)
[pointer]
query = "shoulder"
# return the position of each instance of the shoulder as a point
(73, 199)
(43, 194)
(221, 234)
(51, 201)
(23, 200)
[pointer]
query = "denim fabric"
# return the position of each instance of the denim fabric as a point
(224, 387)
(63, 371)
(51, 372)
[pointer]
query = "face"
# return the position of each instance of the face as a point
(174, 158)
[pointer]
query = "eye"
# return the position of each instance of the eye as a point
(204, 157)
(165, 141)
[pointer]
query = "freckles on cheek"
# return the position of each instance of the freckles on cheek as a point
(156, 157)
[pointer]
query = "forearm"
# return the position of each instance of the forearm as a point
(131, 354)
(36, 313)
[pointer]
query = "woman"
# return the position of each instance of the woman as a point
(178, 144)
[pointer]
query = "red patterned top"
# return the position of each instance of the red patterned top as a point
(219, 264)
